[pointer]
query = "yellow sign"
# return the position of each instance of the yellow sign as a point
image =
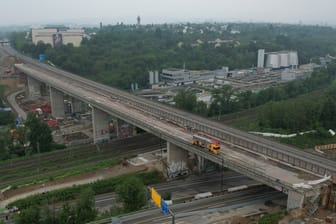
(156, 197)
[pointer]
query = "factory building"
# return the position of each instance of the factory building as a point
(177, 77)
(278, 60)
(57, 36)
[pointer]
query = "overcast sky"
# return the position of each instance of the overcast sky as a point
(34, 12)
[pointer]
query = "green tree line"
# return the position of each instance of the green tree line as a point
(120, 55)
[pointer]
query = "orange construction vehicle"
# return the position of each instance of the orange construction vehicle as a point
(206, 142)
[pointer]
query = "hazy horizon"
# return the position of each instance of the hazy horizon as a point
(38, 12)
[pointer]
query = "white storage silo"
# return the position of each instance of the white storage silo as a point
(284, 59)
(156, 78)
(151, 77)
(293, 59)
(273, 60)
(261, 58)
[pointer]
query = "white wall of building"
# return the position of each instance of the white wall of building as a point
(44, 35)
(74, 36)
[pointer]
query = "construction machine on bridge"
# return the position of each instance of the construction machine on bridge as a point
(205, 142)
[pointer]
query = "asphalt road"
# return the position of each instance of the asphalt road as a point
(12, 101)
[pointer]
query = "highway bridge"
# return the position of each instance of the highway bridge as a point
(272, 163)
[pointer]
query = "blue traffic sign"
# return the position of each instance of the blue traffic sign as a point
(164, 207)
(18, 121)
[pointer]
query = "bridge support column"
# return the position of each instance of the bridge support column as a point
(177, 161)
(295, 200)
(34, 88)
(76, 105)
(125, 129)
(57, 103)
(200, 164)
(100, 123)
(176, 154)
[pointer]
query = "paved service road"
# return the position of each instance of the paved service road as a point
(12, 101)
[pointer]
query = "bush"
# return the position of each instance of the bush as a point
(98, 187)
(272, 218)
(57, 146)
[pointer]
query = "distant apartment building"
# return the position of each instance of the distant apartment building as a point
(58, 36)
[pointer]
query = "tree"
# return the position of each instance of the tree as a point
(185, 100)
(85, 207)
(6, 118)
(49, 216)
(29, 215)
(328, 115)
(222, 101)
(67, 215)
(4, 143)
(132, 193)
(201, 108)
(39, 133)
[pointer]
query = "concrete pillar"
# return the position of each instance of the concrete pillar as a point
(124, 129)
(177, 161)
(295, 200)
(200, 164)
(34, 88)
(100, 123)
(176, 154)
(76, 105)
(57, 103)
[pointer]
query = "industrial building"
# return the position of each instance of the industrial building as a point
(177, 77)
(278, 60)
(56, 36)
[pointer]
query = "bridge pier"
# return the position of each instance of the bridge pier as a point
(34, 88)
(201, 163)
(176, 154)
(124, 129)
(57, 103)
(76, 105)
(100, 123)
(177, 159)
(295, 200)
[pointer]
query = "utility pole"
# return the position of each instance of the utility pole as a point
(39, 156)
(222, 175)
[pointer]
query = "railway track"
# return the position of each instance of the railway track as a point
(229, 135)
(122, 144)
(52, 166)
(218, 203)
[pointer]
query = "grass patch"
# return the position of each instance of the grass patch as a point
(68, 173)
(272, 218)
(307, 140)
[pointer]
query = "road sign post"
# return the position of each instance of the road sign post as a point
(156, 197)
(164, 207)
